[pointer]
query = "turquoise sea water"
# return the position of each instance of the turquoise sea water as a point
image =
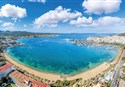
(58, 55)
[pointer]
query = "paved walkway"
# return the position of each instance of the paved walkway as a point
(115, 81)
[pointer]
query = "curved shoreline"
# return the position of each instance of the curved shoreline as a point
(53, 77)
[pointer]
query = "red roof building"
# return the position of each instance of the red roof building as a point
(23, 81)
(6, 69)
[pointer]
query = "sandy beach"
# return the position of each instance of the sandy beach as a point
(53, 77)
(99, 69)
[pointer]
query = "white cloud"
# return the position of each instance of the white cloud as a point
(8, 26)
(98, 23)
(41, 1)
(109, 21)
(25, 25)
(12, 11)
(53, 17)
(101, 6)
(82, 21)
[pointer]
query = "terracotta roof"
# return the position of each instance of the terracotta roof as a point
(5, 67)
(24, 80)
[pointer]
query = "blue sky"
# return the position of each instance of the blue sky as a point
(63, 16)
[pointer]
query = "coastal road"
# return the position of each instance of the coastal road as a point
(115, 80)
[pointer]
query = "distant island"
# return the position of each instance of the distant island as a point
(8, 38)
